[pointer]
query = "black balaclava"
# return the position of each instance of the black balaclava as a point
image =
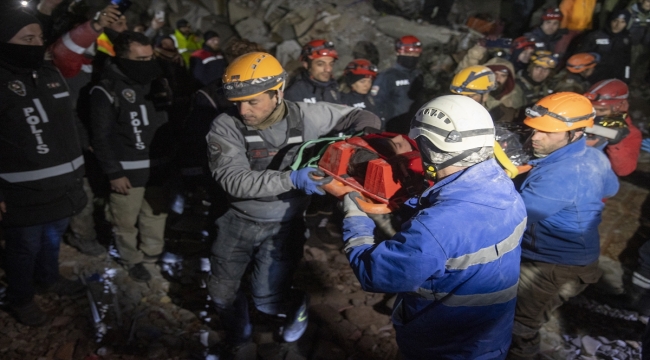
(21, 56)
(409, 62)
(142, 72)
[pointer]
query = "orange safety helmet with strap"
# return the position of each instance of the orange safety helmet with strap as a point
(559, 112)
(581, 62)
(610, 92)
(252, 74)
(317, 49)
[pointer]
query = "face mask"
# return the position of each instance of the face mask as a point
(142, 72)
(409, 62)
(22, 56)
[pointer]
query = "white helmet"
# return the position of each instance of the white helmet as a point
(454, 123)
(452, 129)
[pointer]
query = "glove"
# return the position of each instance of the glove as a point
(645, 145)
(304, 180)
(351, 206)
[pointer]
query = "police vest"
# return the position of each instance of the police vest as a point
(264, 156)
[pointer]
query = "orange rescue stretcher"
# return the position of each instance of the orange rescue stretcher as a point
(390, 179)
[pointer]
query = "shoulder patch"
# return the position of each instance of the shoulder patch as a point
(129, 95)
(17, 87)
(374, 90)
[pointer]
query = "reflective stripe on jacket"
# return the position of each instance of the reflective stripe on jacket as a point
(455, 265)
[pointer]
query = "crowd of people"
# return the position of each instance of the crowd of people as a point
(97, 108)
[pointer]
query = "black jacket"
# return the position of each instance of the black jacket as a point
(615, 51)
(363, 102)
(41, 165)
(305, 89)
(130, 136)
(543, 41)
(395, 90)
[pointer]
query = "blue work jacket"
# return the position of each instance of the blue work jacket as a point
(564, 195)
(455, 265)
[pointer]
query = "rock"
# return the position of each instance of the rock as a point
(237, 12)
(255, 30)
(590, 345)
(346, 330)
(66, 351)
(364, 316)
(397, 27)
(288, 51)
(612, 279)
(325, 313)
(314, 254)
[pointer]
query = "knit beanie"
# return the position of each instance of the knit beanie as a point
(623, 14)
(12, 20)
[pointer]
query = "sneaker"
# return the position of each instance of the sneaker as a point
(296, 322)
(29, 314)
(87, 247)
(138, 272)
(64, 287)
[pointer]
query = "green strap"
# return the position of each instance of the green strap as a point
(298, 163)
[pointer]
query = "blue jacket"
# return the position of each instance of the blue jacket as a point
(455, 265)
(563, 195)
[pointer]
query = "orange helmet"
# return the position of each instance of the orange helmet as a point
(581, 62)
(611, 92)
(361, 67)
(252, 74)
(563, 111)
(408, 43)
(317, 49)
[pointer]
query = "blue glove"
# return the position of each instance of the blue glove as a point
(305, 180)
(645, 145)
(351, 206)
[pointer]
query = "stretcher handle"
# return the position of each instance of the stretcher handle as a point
(339, 189)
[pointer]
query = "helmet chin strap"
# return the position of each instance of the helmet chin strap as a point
(432, 170)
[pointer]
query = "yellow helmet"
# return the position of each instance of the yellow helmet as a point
(477, 79)
(252, 74)
(544, 59)
(563, 111)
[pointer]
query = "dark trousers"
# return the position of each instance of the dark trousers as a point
(272, 250)
(646, 343)
(543, 288)
(32, 256)
(644, 260)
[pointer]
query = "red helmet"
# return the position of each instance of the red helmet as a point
(318, 48)
(610, 92)
(408, 43)
(361, 67)
(552, 14)
(522, 42)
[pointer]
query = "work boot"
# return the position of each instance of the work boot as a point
(87, 247)
(138, 273)
(296, 322)
(63, 287)
(29, 314)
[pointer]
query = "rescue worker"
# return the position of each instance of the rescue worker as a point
(639, 28)
(208, 64)
(575, 77)
(104, 47)
(475, 82)
(535, 80)
(358, 77)
(456, 292)
(563, 195)
(315, 83)
(41, 167)
(132, 149)
(548, 34)
(185, 41)
(264, 226)
(614, 47)
(609, 99)
(395, 89)
(521, 50)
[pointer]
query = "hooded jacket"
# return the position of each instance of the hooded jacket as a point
(41, 165)
(564, 195)
(305, 89)
(456, 276)
(514, 98)
(533, 91)
(639, 25)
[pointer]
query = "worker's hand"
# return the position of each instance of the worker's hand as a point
(156, 24)
(351, 205)
(121, 185)
(310, 180)
(107, 16)
(3, 209)
(645, 145)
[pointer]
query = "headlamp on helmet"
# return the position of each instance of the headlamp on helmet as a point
(317, 49)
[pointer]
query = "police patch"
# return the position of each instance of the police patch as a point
(374, 90)
(18, 87)
(129, 95)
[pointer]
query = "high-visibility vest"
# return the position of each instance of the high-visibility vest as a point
(105, 45)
